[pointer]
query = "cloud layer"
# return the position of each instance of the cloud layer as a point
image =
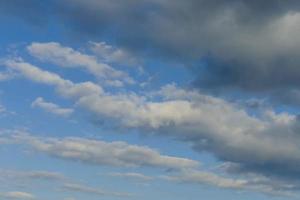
(121, 155)
(118, 153)
(17, 195)
(234, 49)
(252, 46)
(208, 123)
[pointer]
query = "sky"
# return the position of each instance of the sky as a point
(149, 99)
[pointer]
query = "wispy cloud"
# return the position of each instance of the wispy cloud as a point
(30, 175)
(121, 154)
(114, 55)
(68, 57)
(132, 175)
(51, 107)
(96, 191)
(17, 195)
(117, 153)
(208, 123)
(6, 75)
(252, 183)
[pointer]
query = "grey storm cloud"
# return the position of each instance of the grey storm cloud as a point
(248, 45)
(30, 11)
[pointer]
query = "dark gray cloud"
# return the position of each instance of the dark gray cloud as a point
(248, 45)
(32, 11)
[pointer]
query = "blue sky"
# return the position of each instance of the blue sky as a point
(149, 100)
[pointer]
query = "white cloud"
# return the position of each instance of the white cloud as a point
(132, 175)
(65, 87)
(6, 75)
(207, 178)
(30, 179)
(17, 195)
(69, 198)
(112, 54)
(91, 190)
(114, 83)
(2, 109)
(68, 57)
(256, 183)
(254, 142)
(51, 107)
(118, 153)
(208, 123)
(34, 73)
(30, 175)
(4, 112)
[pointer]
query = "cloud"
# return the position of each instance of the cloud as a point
(35, 73)
(207, 123)
(33, 11)
(6, 75)
(251, 46)
(256, 183)
(118, 153)
(4, 112)
(2, 109)
(51, 107)
(111, 54)
(17, 195)
(65, 183)
(91, 190)
(240, 38)
(210, 124)
(235, 38)
(7, 176)
(65, 87)
(67, 57)
(30, 175)
(132, 175)
(30, 179)
(207, 178)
